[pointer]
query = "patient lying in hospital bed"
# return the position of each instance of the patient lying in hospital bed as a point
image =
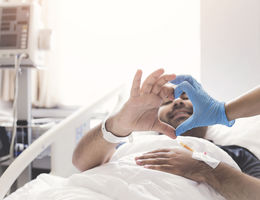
(123, 178)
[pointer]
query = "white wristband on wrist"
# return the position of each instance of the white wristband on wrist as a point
(212, 162)
(110, 137)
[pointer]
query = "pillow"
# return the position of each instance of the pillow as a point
(245, 132)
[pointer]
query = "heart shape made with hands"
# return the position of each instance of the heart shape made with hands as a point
(140, 112)
(206, 110)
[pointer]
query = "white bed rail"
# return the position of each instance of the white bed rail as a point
(61, 134)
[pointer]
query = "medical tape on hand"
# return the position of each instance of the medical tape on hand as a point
(212, 162)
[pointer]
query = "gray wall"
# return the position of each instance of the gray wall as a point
(230, 46)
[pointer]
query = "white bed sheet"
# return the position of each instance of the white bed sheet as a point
(245, 132)
(121, 178)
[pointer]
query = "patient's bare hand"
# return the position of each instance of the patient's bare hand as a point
(140, 112)
(174, 161)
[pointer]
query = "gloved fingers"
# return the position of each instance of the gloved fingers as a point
(150, 81)
(135, 90)
(185, 126)
(164, 128)
(184, 87)
(181, 78)
(161, 82)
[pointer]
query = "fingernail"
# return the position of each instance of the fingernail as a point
(138, 161)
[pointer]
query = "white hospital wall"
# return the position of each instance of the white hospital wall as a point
(230, 46)
(101, 43)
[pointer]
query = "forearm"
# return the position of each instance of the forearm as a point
(92, 150)
(233, 184)
(244, 106)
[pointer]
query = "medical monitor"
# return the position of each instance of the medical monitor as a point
(20, 28)
(15, 21)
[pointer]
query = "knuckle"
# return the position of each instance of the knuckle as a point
(165, 79)
(155, 167)
(152, 167)
(160, 83)
(188, 77)
(186, 84)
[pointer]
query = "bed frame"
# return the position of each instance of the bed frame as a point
(67, 132)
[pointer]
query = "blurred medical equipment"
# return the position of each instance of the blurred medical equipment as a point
(23, 41)
(22, 32)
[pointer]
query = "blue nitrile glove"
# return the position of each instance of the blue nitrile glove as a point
(206, 110)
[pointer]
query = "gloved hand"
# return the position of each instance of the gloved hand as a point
(206, 110)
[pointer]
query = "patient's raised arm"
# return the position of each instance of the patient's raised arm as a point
(92, 150)
(139, 113)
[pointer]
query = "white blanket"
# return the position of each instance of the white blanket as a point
(122, 179)
(245, 133)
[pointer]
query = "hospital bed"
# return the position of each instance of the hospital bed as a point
(62, 139)
(245, 132)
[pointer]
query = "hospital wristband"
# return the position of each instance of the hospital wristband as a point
(110, 137)
(212, 162)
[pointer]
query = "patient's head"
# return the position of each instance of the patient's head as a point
(177, 111)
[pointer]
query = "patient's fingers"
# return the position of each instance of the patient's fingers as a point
(153, 161)
(164, 128)
(150, 81)
(163, 168)
(154, 155)
(166, 93)
(135, 90)
(161, 82)
(159, 150)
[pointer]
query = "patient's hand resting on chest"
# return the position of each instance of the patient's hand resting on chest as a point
(174, 161)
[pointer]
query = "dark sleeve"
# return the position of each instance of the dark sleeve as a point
(245, 159)
(4, 142)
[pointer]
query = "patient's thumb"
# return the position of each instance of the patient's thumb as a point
(165, 129)
(185, 126)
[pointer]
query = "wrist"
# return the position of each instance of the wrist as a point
(211, 179)
(230, 107)
(218, 176)
(227, 109)
(202, 173)
(113, 126)
(225, 119)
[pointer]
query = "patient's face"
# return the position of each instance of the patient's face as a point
(177, 111)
